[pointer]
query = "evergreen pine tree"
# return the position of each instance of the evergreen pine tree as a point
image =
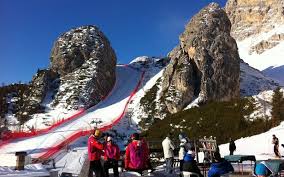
(277, 112)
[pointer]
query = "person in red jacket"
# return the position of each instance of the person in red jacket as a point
(111, 157)
(136, 155)
(95, 151)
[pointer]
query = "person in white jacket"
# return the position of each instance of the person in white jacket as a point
(168, 149)
(185, 145)
(182, 151)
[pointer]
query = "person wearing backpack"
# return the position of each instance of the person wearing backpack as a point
(95, 151)
(111, 157)
(168, 149)
(136, 155)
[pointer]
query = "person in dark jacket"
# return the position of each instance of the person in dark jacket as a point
(219, 166)
(232, 147)
(189, 164)
(275, 141)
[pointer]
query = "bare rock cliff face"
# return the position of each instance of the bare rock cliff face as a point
(41, 83)
(249, 17)
(206, 64)
(82, 72)
(86, 63)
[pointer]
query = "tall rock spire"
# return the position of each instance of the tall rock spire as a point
(206, 64)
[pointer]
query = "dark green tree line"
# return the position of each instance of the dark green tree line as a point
(277, 112)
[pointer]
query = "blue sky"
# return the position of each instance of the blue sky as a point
(28, 29)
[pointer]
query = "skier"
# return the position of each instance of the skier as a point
(168, 149)
(111, 157)
(275, 141)
(219, 166)
(136, 155)
(232, 146)
(95, 151)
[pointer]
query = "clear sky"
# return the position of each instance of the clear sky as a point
(28, 28)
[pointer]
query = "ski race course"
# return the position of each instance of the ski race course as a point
(110, 111)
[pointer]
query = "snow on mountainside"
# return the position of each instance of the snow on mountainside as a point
(259, 145)
(276, 73)
(154, 68)
(258, 27)
(260, 87)
(272, 55)
(253, 81)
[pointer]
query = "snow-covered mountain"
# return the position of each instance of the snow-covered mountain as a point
(205, 66)
(258, 27)
(254, 81)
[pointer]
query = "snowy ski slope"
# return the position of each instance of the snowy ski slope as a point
(107, 110)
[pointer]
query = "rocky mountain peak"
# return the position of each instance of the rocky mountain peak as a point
(77, 46)
(206, 63)
(82, 72)
(87, 66)
(251, 17)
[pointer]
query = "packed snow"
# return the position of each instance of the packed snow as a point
(259, 145)
(253, 81)
(10, 117)
(106, 111)
(271, 58)
(71, 159)
(32, 170)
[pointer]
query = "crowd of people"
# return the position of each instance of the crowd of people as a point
(106, 155)
(188, 164)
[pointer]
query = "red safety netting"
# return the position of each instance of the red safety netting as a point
(7, 137)
(53, 150)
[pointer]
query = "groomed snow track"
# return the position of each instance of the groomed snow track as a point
(111, 110)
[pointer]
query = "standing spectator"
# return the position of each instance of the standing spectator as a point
(185, 145)
(136, 154)
(181, 153)
(219, 166)
(168, 149)
(232, 146)
(95, 151)
(275, 141)
(111, 157)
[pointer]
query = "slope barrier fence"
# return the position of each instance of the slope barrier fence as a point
(8, 137)
(55, 149)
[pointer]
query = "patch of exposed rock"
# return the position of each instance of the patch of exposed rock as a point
(264, 45)
(250, 17)
(41, 83)
(206, 63)
(82, 72)
(86, 63)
